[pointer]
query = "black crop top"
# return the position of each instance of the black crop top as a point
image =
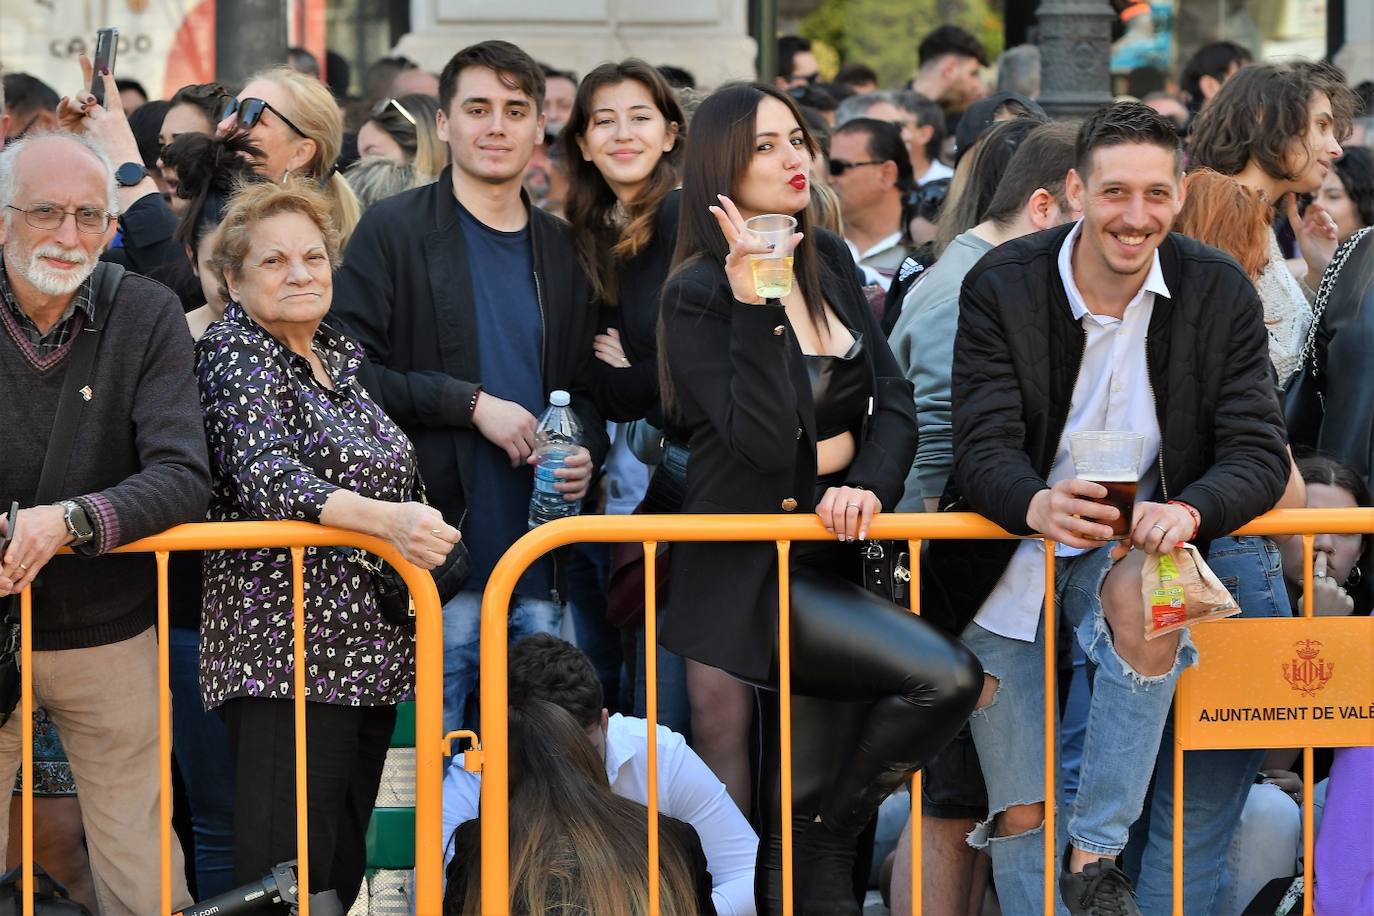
(840, 389)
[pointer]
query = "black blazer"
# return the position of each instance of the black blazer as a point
(742, 389)
(405, 293)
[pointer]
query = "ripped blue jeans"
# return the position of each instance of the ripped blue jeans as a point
(1125, 720)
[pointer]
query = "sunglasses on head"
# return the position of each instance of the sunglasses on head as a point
(250, 111)
(839, 166)
(380, 109)
(927, 200)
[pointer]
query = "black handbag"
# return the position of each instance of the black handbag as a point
(887, 570)
(72, 399)
(49, 897)
(393, 598)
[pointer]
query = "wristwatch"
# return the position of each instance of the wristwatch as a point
(130, 174)
(78, 522)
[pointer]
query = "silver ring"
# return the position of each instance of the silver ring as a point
(436, 532)
(1316, 574)
(23, 567)
(625, 360)
(1159, 528)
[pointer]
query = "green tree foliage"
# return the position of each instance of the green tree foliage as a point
(884, 33)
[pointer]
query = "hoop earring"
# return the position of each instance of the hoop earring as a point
(1355, 576)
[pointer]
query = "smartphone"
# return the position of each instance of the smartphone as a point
(9, 528)
(106, 45)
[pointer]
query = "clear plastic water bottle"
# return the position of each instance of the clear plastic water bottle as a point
(555, 437)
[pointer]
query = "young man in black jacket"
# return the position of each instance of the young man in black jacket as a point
(472, 308)
(1110, 324)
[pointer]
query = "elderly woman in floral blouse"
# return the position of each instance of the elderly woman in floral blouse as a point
(293, 435)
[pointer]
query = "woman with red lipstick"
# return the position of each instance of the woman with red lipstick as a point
(796, 404)
(1276, 129)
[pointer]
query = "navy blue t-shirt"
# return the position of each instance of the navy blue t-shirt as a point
(510, 335)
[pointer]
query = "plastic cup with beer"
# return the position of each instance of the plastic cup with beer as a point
(772, 271)
(1112, 459)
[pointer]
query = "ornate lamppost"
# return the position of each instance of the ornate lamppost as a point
(1075, 56)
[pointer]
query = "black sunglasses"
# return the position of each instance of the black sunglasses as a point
(927, 200)
(839, 166)
(250, 113)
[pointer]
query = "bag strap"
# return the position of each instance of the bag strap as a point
(1307, 359)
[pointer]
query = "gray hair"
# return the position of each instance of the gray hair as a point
(857, 106)
(375, 178)
(9, 182)
(1018, 70)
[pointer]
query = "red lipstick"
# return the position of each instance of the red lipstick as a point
(798, 181)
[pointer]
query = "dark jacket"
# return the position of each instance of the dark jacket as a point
(138, 464)
(405, 293)
(743, 390)
(1331, 405)
(631, 393)
(148, 246)
(1016, 359)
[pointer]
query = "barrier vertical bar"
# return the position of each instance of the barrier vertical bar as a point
(26, 740)
(917, 883)
(1178, 811)
(1308, 610)
(164, 734)
(1051, 719)
(429, 747)
(494, 702)
(785, 718)
(651, 710)
(298, 684)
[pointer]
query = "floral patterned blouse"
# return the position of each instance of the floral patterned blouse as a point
(280, 444)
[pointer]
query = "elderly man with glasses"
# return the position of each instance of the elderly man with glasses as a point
(136, 465)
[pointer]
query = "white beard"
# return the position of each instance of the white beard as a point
(47, 280)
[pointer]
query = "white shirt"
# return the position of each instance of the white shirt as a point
(687, 790)
(1112, 392)
(936, 171)
(880, 262)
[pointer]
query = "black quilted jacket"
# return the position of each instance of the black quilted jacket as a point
(1016, 359)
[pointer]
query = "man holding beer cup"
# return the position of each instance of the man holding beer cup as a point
(1112, 392)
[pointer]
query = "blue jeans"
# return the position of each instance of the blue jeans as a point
(1215, 783)
(462, 631)
(589, 572)
(1125, 719)
(200, 743)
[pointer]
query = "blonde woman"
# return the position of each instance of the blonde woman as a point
(294, 121)
(403, 130)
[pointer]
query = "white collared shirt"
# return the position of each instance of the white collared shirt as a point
(879, 263)
(687, 790)
(1112, 392)
(936, 171)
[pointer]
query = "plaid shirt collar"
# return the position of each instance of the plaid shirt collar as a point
(60, 332)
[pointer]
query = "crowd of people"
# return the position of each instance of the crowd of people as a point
(273, 303)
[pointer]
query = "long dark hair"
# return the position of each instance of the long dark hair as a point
(575, 847)
(602, 245)
(209, 169)
(1355, 169)
(1319, 467)
(724, 127)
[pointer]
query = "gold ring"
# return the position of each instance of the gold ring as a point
(1159, 528)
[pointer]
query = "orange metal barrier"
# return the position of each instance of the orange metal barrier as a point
(493, 761)
(429, 675)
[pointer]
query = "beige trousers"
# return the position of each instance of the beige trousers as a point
(104, 703)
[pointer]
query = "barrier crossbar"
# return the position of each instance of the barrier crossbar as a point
(295, 537)
(493, 762)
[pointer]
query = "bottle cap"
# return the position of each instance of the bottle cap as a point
(559, 398)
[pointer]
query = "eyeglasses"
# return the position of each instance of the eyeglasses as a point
(380, 109)
(50, 216)
(250, 113)
(839, 166)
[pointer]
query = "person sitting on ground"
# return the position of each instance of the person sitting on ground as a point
(544, 667)
(576, 847)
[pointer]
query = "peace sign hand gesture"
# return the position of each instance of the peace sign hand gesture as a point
(742, 246)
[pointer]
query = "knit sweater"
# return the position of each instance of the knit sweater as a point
(138, 461)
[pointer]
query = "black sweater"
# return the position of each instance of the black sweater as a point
(1017, 355)
(138, 462)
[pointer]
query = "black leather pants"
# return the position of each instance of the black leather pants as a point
(876, 693)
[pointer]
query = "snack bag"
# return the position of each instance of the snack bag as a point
(1180, 590)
